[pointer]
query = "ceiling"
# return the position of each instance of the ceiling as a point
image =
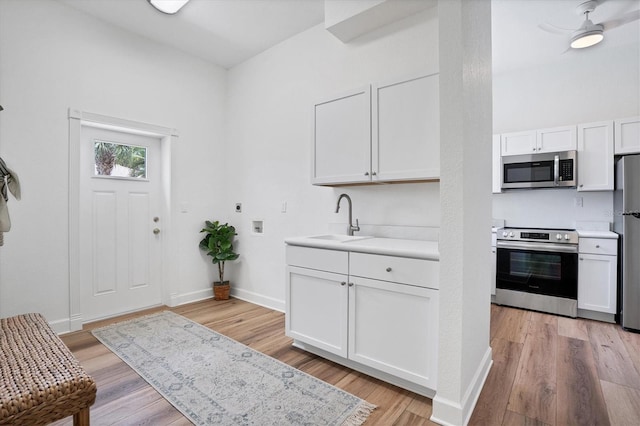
(225, 32)
(228, 32)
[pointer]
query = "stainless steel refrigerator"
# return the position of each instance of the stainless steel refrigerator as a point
(626, 201)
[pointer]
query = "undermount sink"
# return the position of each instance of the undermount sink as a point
(340, 238)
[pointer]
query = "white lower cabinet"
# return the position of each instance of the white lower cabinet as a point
(317, 309)
(373, 324)
(391, 328)
(597, 276)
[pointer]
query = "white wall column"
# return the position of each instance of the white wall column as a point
(465, 193)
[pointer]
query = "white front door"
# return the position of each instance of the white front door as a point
(119, 222)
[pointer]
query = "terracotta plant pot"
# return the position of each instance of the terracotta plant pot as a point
(221, 290)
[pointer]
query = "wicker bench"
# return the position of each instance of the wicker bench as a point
(40, 379)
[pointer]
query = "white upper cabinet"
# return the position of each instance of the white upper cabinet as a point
(595, 156)
(539, 141)
(496, 165)
(389, 134)
(341, 142)
(406, 129)
(627, 136)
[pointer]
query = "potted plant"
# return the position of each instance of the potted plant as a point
(217, 242)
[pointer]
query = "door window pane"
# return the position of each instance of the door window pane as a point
(119, 160)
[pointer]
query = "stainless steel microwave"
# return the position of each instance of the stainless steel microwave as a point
(545, 170)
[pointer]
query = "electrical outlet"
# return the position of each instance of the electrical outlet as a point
(578, 201)
(283, 209)
(238, 207)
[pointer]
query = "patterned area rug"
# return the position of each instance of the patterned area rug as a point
(214, 380)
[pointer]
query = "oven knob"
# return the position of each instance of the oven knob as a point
(504, 234)
(511, 234)
(566, 237)
(558, 237)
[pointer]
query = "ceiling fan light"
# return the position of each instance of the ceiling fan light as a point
(168, 6)
(587, 39)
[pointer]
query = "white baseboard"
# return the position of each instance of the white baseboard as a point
(193, 296)
(447, 412)
(62, 326)
(258, 299)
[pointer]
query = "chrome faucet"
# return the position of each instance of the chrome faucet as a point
(351, 227)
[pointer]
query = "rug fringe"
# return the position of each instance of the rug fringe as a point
(360, 415)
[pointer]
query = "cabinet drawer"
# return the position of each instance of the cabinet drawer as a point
(418, 272)
(598, 246)
(320, 259)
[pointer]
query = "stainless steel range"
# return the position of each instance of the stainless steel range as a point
(538, 269)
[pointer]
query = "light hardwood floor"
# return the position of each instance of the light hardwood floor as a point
(547, 370)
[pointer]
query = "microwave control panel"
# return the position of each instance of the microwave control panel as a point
(566, 170)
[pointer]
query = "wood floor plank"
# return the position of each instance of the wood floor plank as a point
(573, 327)
(611, 356)
(632, 344)
(516, 419)
(358, 384)
(623, 403)
(534, 389)
(408, 418)
(422, 406)
(494, 397)
(513, 325)
(497, 314)
(580, 399)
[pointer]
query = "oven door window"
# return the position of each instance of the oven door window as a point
(538, 171)
(549, 273)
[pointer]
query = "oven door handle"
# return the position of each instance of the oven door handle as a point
(546, 247)
(556, 170)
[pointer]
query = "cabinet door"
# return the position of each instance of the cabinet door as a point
(597, 283)
(341, 142)
(518, 143)
(627, 136)
(497, 165)
(556, 139)
(595, 156)
(316, 309)
(406, 129)
(386, 316)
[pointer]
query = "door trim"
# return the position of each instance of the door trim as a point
(167, 136)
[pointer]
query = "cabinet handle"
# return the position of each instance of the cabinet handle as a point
(350, 284)
(581, 185)
(373, 173)
(366, 173)
(389, 269)
(343, 283)
(597, 245)
(582, 258)
(534, 148)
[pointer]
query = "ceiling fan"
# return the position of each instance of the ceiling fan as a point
(590, 34)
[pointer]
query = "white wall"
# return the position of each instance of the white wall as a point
(269, 131)
(53, 57)
(584, 86)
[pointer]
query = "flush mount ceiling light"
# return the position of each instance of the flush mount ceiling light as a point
(168, 6)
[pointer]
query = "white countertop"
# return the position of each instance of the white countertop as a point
(596, 234)
(417, 249)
